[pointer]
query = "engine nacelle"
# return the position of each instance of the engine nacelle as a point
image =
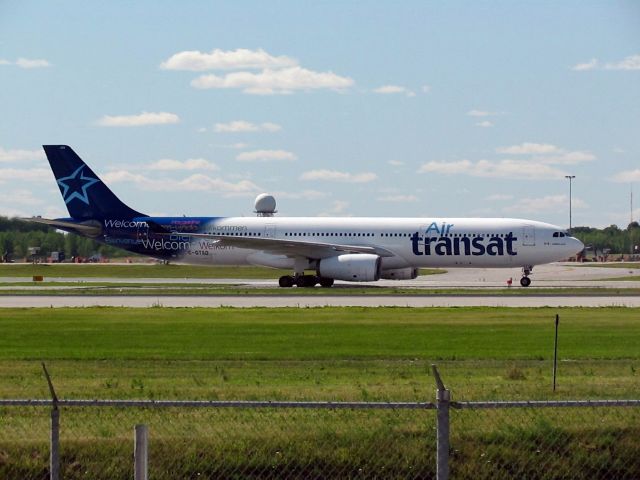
(352, 267)
(399, 274)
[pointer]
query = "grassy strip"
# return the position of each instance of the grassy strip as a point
(630, 278)
(630, 265)
(318, 333)
(137, 270)
(341, 290)
(358, 379)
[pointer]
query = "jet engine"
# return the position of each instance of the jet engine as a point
(352, 267)
(399, 274)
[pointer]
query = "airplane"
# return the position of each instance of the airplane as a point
(349, 249)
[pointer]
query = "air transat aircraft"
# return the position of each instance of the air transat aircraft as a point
(350, 249)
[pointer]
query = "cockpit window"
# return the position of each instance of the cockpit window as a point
(560, 234)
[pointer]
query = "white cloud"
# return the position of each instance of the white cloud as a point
(32, 63)
(240, 126)
(145, 118)
(265, 156)
(497, 197)
(568, 158)
(195, 182)
(17, 155)
(632, 62)
(168, 164)
(527, 148)
(484, 124)
(398, 198)
(549, 203)
(480, 113)
(590, 65)
(513, 169)
(270, 82)
(396, 163)
(235, 146)
(547, 153)
(301, 195)
(4, 62)
(426, 89)
(217, 59)
(336, 176)
(627, 176)
(394, 89)
(28, 175)
(338, 207)
(20, 197)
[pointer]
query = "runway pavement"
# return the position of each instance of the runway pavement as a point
(557, 276)
(551, 275)
(270, 301)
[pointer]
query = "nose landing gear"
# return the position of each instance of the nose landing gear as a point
(525, 281)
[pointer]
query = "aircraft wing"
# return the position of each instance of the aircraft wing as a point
(86, 229)
(290, 248)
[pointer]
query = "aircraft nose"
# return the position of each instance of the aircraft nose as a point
(576, 245)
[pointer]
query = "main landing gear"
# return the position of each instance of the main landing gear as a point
(308, 281)
(525, 281)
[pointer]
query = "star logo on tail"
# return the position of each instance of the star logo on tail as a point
(76, 186)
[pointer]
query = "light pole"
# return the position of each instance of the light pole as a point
(570, 177)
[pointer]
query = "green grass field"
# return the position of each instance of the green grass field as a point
(323, 353)
(320, 354)
(630, 265)
(135, 270)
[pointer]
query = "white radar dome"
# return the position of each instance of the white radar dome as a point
(265, 205)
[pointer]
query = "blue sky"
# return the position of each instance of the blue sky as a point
(336, 108)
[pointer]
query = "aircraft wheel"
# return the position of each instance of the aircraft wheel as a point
(307, 281)
(286, 281)
(326, 282)
(525, 281)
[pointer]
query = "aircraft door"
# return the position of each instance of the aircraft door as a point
(143, 231)
(528, 236)
(270, 231)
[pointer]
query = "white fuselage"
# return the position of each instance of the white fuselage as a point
(414, 242)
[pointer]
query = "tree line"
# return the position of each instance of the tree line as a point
(612, 238)
(16, 237)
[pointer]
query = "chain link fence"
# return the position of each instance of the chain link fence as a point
(545, 440)
(231, 440)
(314, 440)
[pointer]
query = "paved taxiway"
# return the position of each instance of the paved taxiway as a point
(243, 301)
(556, 276)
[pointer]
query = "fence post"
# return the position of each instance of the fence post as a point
(443, 399)
(54, 456)
(141, 452)
(54, 442)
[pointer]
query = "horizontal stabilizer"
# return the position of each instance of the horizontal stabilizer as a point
(88, 229)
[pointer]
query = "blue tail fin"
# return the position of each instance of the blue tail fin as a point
(83, 192)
